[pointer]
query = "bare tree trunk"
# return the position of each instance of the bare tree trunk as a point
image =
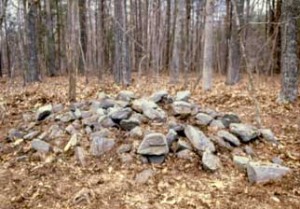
(83, 34)
(289, 55)
(51, 55)
(208, 47)
(32, 73)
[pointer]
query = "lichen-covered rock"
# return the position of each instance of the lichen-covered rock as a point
(182, 108)
(154, 144)
(241, 162)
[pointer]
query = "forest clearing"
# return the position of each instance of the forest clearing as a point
(149, 104)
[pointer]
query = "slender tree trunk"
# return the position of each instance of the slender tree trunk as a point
(208, 62)
(83, 34)
(289, 55)
(32, 73)
(51, 54)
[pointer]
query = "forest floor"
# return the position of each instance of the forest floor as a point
(53, 181)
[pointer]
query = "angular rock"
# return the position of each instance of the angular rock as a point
(210, 161)
(210, 112)
(70, 129)
(221, 144)
(137, 104)
(126, 158)
(154, 113)
(77, 113)
(43, 112)
(277, 160)
(74, 140)
(67, 117)
(179, 128)
(87, 114)
(171, 136)
(126, 95)
(106, 103)
(159, 96)
(203, 119)
(198, 139)
(228, 137)
(182, 145)
(104, 133)
(55, 131)
(106, 122)
(183, 96)
(227, 119)
(40, 146)
(154, 144)
(156, 159)
(102, 95)
(241, 162)
(31, 135)
(14, 134)
(118, 114)
(262, 173)
(124, 148)
(268, 135)
(249, 151)
(244, 131)
(185, 154)
(80, 155)
(181, 108)
(91, 121)
(144, 176)
(129, 124)
(100, 145)
(136, 132)
(101, 112)
(217, 124)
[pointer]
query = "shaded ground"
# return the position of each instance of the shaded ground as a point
(53, 181)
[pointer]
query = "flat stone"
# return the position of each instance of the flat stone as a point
(182, 145)
(80, 155)
(144, 176)
(55, 132)
(14, 134)
(129, 124)
(136, 132)
(40, 146)
(126, 95)
(183, 96)
(210, 161)
(74, 140)
(87, 114)
(100, 145)
(232, 139)
(262, 173)
(106, 103)
(124, 148)
(31, 135)
(104, 133)
(217, 124)
(203, 119)
(159, 96)
(66, 117)
(221, 144)
(227, 119)
(156, 159)
(137, 104)
(154, 114)
(91, 121)
(153, 144)
(43, 112)
(106, 122)
(241, 162)
(118, 114)
(181, 108)
(70, 129)
(198, 139)
(126, 158)
(244, 131)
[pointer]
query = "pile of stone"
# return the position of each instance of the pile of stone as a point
(98, 118)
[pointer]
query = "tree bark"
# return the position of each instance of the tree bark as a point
(83, 34)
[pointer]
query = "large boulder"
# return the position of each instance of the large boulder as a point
(43, 112)
(244, 131)
(154, 144)
(198, 139)
(261, 173)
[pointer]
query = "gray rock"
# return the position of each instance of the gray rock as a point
(100, 145)
(80, 156)
(15, 134)
(43, 112)
(104, 133)
(31, 135)
(126, 158)
(144, 176)
(182, 108)
(55, 132)
(171, 136)
(228, 137)
(198, 139)
(210, 161)
(87, 114)
(277, 160)
(249, 151)
(159, 96)
(210, 112)
(268, 135)
(118, 114)
(126, 95)
(102, 95)
(139, 117)
(153, 113)
(91, 121)
(122, 104)
(241, 162)
(153, 144)
(106, 103)
(227, 119)
(101, 112)
(203, 119)
(179, 128)
(185, 154)
(221, 144)
(156, 159)
(217, 124)
(40, 146)
(261, 173)
(245, 132)
(57, 108)
(137, 104)
(129, 124)
(136, 132)
(183, 96)
(106, 122)
(77, 113)
(67, 117)
(182, 145)
(74, 140)
(124, 148)
(70, 129)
